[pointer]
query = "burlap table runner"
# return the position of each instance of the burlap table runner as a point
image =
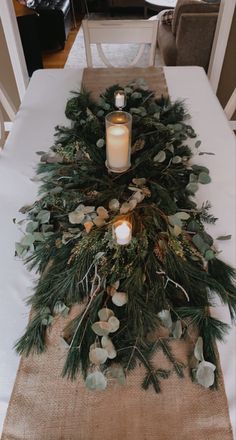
(44, 406)
(98, 80)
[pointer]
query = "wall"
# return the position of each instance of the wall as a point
(6, 72)
(228, 75)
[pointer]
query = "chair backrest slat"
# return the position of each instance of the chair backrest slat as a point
(230, 107)
(9, 108)
(120, 32)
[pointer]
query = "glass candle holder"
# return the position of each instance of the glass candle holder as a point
(120, 99)
(122, 232)
(118, 141)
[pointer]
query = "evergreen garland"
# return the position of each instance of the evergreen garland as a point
(166, 276)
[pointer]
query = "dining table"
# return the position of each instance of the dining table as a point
(43, 108)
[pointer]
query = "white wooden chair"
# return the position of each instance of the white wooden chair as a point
(230, 109)
(10, 109)
(139, 32)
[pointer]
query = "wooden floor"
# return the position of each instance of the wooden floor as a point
(55, 60)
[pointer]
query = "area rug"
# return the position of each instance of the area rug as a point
(117, 57)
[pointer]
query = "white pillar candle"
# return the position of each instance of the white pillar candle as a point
(119, 100)
(118, 146)
(123, 232)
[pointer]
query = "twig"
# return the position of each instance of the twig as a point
(92, 293)
(169, 280)
(132, 353)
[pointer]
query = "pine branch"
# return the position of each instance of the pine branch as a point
(178, 366)
(33, 341)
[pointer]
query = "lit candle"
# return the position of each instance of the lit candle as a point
(118, 146)
(120, 99)
(118, 141)
(123, 232)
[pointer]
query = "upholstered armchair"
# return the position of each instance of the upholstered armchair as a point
(188, 39)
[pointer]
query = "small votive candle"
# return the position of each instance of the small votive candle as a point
(120, 99)
(122, 232)
(118, 141)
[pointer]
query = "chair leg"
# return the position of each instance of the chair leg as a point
(72, 7)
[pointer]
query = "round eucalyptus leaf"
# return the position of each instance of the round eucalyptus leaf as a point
(100, 113)
(197, 144)
(125, 207)
(47, 320)
(193, 178)
(160, 157)
(21, 250)
(200, 168)
(192, 187)
(96, 381)
(31, 227)
(132, 204)
(170, 148)
(200, 244)
(105, 313)
(205, 375)
(114, 324)
(139, 182)
(128, 90)
(136, 111)
(136, 95)
(182, 215)
(204, 178)
(102, 328)
(139, 196)
(209, 255)
(60, 308)
(44, 216)
(194, 226)
(88, 226)
(98, 221)
(98, 356)
(28, 240)
(116, 285)
(178, 127)
(102, 213)
(76, 217)
(198, 349)
(108, 345)
(80, 208)
(177, 329)
(157, 116)
(120, 298)
(88, 209)
(165, 318)
(100, 143)
(175, 220)
(176, 159)
(114, 205)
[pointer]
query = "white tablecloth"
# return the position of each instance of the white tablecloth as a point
(42, 109)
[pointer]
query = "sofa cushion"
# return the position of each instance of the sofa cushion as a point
(167, 17)
(192, 6)
(194, 39)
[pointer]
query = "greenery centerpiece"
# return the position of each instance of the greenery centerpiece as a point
(165, 276)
